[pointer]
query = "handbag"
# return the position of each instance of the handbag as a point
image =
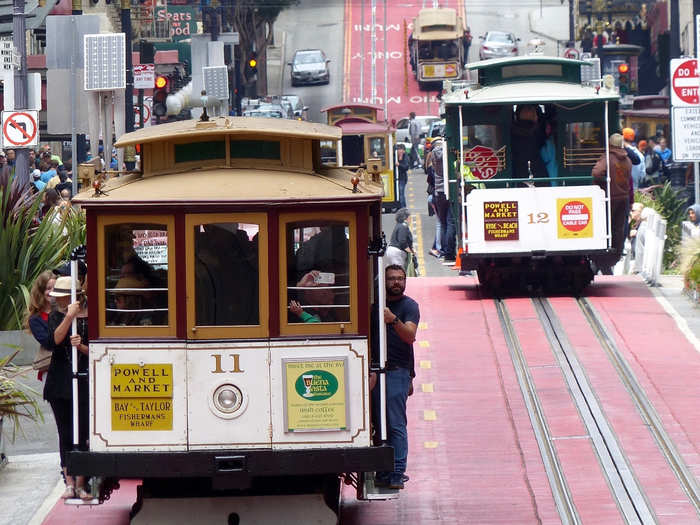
(42, 359)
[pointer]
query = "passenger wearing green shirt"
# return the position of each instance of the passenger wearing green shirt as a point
(305, 317)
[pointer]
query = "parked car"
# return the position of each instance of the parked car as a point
(309, 66)
(298, 106)
(437, 129)
(498, 44)
(402, 127)
(267, 111)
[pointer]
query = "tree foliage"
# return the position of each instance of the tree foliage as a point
(28, 246)
(254, 22)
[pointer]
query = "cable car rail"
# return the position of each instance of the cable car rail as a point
(555, 474)
(646, 409)
(626, 490)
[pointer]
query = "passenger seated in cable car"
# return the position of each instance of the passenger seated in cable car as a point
(527, 138)
(319, 272)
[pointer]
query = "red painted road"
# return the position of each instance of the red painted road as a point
(473, 457)
(403, 93)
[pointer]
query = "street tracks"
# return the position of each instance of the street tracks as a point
(628, 493)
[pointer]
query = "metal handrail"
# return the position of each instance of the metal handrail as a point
(534, 179)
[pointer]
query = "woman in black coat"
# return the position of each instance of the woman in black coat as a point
(58, 390)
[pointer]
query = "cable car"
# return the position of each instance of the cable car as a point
(230, 290)
(521, 224)
(365, 142)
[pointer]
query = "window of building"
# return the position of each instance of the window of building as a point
(318, 272)
(135, 267)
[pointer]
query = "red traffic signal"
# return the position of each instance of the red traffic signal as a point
(623, 68)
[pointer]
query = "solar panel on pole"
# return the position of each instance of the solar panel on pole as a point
(105, 61)
(216, 81)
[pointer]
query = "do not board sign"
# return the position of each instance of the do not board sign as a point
(20, 129)
(684, 82)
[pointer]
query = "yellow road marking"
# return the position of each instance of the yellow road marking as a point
(427, 388)
(425, 364)
(429, 415)
(430, 444)
(424, 344)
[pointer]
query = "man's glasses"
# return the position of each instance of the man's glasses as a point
(390, 279)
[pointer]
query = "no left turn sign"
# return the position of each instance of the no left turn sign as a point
(20, 129)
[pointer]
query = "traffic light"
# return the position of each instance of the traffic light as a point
(160, 96)
(623, 71)
(251, 67)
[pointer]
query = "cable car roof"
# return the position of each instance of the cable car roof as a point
(494, 63)
(245, 126)
(230, 186)
(529, 92)
(353, 105)
(359, 127)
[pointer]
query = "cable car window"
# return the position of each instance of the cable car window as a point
(226, 274)
(328, 152)
(255, 149)
(318, 271)
(488, 135)
(196, 151)
(484, 150)
(584, 143)
(136, 274)
(377, 148)
(584, 135)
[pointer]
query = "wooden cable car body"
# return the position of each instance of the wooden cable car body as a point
(201, 378)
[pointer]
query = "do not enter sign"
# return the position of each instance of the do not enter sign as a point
(684, 82)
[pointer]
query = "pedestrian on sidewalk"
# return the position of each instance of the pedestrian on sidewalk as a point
(402, 168)
(401, 316)
(58, 390)
(414, 134)
(401, 242)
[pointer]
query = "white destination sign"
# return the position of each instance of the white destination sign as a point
(686, 134)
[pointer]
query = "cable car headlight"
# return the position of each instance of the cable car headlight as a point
(228, 401)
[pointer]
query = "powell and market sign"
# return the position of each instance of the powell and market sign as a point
(182, 22)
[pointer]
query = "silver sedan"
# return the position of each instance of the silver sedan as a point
(497, 44)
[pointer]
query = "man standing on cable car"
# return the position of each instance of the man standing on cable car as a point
(401, 316)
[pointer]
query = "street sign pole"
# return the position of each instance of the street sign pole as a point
(20, 44)
(697, 55)
(141, 108)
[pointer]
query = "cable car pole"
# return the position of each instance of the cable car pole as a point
(386, 73)
(373, 33)
(362, 51)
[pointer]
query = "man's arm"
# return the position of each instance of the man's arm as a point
(406, 331)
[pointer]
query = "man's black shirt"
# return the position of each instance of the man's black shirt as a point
(399, 353)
